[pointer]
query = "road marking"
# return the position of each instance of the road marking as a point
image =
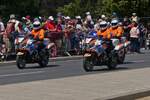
(19, 74)
(138, 61)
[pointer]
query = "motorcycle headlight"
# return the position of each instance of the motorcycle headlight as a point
(98, 42)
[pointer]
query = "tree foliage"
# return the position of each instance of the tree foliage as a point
(74, 7)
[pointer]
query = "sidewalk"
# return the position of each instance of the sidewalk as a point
(98, 86)
(144, 98)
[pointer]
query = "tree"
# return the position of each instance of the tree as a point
(74, 7)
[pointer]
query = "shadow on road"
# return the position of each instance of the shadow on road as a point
(38, 67)
(128, 62)
(108, 70)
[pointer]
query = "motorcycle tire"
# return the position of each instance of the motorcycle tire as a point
(20, 62)
(121, 58)
(113, 61)
(44, 61)
(88, 64)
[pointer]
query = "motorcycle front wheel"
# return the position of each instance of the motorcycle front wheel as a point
(113, 61)
(88, 64)
(121, 57)
(44, 61)
(21, 63)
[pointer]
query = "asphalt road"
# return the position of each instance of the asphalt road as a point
(11, 74)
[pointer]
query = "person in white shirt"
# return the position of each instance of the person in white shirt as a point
(134, 37)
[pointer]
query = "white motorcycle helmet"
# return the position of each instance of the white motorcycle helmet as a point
(114, 23)
(36, 25)
(103, 25)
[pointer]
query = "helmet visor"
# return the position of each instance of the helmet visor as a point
(103, 25)
(114, 24)
(36, 26)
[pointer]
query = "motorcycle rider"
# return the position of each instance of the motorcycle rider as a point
(104, 33)
(38, 34)
(115, 30)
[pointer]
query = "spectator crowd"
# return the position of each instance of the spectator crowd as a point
(67, 33)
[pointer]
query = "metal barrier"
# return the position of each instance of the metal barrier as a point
(65, 46)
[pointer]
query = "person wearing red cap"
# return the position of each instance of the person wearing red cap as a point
(50, 25)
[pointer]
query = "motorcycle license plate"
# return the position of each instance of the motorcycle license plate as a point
(87, 55)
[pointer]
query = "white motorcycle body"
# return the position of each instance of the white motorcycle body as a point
(125, 42)
(19, 40)
(116, 43)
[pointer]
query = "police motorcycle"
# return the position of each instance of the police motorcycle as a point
(99, 52)
(28, 52)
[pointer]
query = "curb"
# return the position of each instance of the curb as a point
(129, 96)
(50, 60)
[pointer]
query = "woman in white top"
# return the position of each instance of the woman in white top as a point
(134, 37)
